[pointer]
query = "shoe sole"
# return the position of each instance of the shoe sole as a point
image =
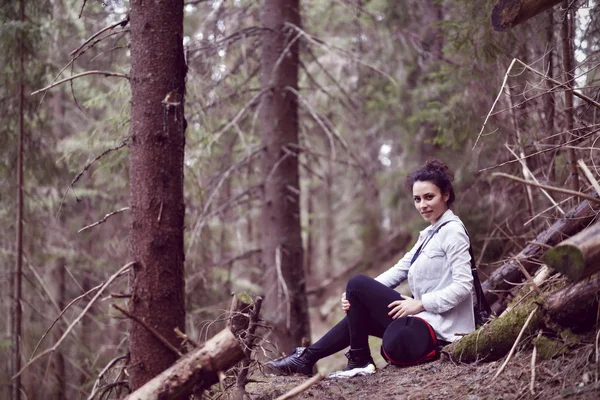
(368, 370)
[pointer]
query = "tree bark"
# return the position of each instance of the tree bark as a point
(508, 13)
(574, 220)
(156, 183)
(569, 69)
(577, 257)
(17, 311)
(285, 304)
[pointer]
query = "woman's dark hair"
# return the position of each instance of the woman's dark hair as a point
(437, 172)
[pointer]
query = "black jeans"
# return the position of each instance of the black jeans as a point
(368, 315)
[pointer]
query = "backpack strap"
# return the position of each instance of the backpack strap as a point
(427, 239)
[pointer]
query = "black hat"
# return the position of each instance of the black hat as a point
(409, 341)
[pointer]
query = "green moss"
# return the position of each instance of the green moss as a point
(494, 340)
(245, 298)
(566, 259)
(570, 338)
(548, 348)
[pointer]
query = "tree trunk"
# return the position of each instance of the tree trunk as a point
(156, 183)
(59, 370)
(569, 68)
(285, 304)
(549, 99)
(17, 311)
(502, 278)
(579, 256)
(509, 13)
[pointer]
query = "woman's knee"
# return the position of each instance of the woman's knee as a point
(357, 282)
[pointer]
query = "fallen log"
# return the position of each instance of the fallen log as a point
(575, 306)
(576, 219)
(577, 257)
(508, 13)
(495, 339)
(201, 368)
(203, 365)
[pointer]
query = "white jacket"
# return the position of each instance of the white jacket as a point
(440, 277)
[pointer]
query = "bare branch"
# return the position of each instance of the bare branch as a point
(301, 388)
(105, 73)
(577, 139)
(101, 31)
(81, 315)
(82, 7)
(550, 188)
(76, 299)
(150, 329)
(103, 219)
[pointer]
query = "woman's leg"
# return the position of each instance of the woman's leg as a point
(368, 314)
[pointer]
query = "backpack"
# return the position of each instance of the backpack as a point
(481, 308)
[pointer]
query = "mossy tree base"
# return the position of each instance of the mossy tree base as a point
(495, 339)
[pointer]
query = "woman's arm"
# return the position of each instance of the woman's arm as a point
(455, 244)
(399, 272)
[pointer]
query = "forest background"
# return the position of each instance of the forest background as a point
(382, 86)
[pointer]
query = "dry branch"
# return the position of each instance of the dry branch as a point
(574, 221)
(71, 78)
(122, 24)
(81, 315)
(248, 343)
(150, 329)
(301, 388)
(103, 219)
(547, 187)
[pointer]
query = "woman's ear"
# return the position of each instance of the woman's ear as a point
(446, 197)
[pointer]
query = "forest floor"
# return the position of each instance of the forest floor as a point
(570, 376)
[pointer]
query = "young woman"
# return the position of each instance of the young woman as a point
(438, 270)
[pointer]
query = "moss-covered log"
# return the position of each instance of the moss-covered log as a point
(574, 221)
(579, 256)
(495, 339)
(575, 306)
(509, 13)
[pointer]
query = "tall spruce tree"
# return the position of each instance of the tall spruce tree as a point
(285, 306)
(158, 125)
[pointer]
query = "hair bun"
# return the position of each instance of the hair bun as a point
(436, 164)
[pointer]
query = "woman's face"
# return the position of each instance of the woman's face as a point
(429, 200)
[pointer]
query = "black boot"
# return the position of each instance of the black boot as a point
(299, 362)
(360, 362)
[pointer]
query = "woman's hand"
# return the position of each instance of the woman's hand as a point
(345, 303)
(405, 307)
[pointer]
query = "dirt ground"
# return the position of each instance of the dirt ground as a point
(571, 376)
